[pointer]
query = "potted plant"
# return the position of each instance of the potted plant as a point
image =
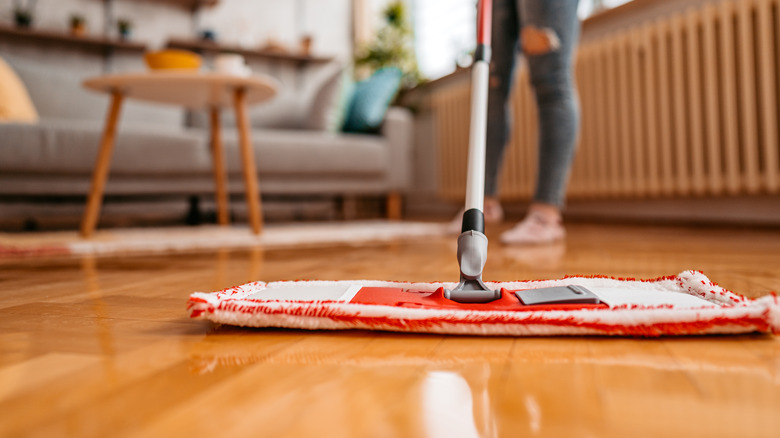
(78, 25)
(393, 46)
(125, 28)
(23, 12)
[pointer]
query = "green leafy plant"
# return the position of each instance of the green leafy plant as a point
(125, 28)
(77, 20)
(393, 46)
(78, 24)
(23, 12)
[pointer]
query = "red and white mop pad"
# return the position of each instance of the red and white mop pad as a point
(685, 304)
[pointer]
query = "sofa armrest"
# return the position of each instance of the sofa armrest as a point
(398, 129)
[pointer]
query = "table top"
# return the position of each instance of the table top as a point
(191, 89)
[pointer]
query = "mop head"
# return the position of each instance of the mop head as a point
(686, 304)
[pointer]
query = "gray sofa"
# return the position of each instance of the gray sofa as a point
(160, 151)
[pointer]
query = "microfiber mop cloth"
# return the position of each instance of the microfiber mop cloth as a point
(686, 304)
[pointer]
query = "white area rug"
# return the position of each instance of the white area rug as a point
(213, 237)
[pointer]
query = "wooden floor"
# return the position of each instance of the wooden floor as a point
(103, 347)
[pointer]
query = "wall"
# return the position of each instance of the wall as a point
(252, 22)
(248, 23)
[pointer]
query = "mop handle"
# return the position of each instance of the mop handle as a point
(484, 18)
(480, 75)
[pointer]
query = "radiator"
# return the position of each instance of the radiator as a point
(686, 105)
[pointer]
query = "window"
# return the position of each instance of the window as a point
(445, 32)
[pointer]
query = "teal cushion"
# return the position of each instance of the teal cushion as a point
(370, 100)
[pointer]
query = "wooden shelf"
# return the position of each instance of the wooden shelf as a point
(191, 4)
(210, 48)
(87, 41)
(187, 4)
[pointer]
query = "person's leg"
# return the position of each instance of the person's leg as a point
(550, 30)
(504, 40)
(505, 32)
(550, 33)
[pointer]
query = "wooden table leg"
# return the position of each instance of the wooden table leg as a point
(100, 172)
(248, 159)
(218, 161)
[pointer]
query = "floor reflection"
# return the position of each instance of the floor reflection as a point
(102, 317)
(541, 257)
(451, 408)
(461, 386)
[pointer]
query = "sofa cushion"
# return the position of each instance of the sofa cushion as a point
(284, 111)
(292, 107)
(15, 103)
(68, 147)
(329, 108)
(311, 153)
(371, 99)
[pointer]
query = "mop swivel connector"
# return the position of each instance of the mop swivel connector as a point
(472, 255)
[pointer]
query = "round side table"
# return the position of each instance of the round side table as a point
(192, 90)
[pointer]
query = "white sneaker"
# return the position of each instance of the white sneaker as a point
(535, 229)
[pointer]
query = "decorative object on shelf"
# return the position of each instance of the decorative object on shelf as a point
(125, 28)
(273, 46)
(78, 25)
(306, 43)
(24, 12)
(232, 64)
(208, 35)
(393, 46)
(172, 59)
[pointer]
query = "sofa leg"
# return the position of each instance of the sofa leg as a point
(394, 206)
(349, 208)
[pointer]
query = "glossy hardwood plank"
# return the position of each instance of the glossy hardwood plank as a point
(103, 347)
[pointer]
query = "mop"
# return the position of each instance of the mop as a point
(685, 304)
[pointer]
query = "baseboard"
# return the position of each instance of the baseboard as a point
(739, 211)
(731, 211)
(65, 214)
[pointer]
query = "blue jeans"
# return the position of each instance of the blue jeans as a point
(553, 84)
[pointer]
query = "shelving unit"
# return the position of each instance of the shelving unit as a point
(107, 45)
(187, 4)
(210, 49)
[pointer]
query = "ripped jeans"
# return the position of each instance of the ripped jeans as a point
(547, 31)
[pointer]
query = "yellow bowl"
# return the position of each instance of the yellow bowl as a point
(172, 59)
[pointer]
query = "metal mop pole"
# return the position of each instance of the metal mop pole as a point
(472, 243)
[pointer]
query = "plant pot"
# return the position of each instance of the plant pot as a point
(78, 29)
(305, 45)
